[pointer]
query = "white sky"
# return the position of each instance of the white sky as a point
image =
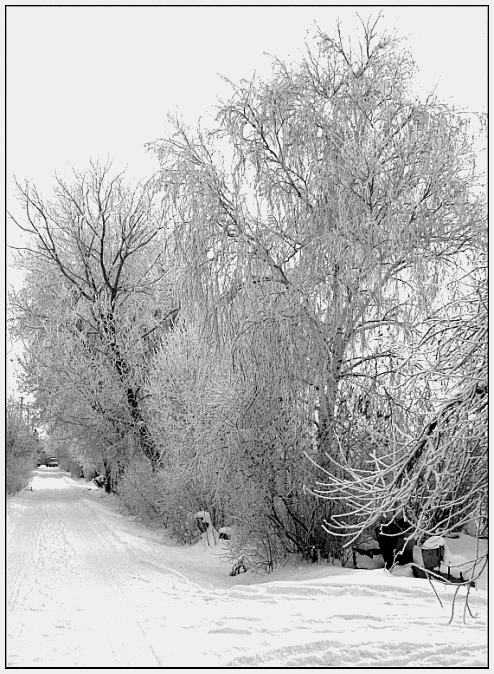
(97, 82)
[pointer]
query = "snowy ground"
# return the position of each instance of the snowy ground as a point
(90, 587)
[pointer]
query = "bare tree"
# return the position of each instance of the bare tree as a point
(96, 286)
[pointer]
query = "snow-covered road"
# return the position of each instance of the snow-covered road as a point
(89, 587)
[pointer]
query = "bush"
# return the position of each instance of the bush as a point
(21, 448)
(18, 472)
(164, 497)
(71, 466)
(140, 492)
(257, 543)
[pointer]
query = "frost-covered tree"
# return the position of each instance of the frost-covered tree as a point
(95, 298)
(439, 478)
(309, 240)
(314, 229)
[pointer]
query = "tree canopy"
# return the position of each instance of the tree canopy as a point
(294, 305)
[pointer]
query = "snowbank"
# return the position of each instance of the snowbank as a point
(91, 587)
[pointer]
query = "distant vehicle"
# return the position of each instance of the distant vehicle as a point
(38, 462)
(52, 463)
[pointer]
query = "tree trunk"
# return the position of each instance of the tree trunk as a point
(327, 404)
(145, 441)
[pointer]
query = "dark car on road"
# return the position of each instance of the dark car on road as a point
(52, 463)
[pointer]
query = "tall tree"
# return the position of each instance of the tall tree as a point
(346, 199)
(317, 225)
(96, 293)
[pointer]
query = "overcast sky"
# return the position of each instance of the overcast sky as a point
(89, 82)
(97, 82)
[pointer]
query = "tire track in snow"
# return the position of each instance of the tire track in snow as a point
(138, 652)
(119, 601)
(65, 602)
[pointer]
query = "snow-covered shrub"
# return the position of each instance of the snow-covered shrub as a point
(237, 424)
(179, 502)
(192, 419)
(71, 466)
(256, 545)
(253, 536)
(140, 492)
(166, 497)
(18, 472)
(21, 447)
(234, 441)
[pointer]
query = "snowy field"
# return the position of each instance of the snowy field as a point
(90, 587)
